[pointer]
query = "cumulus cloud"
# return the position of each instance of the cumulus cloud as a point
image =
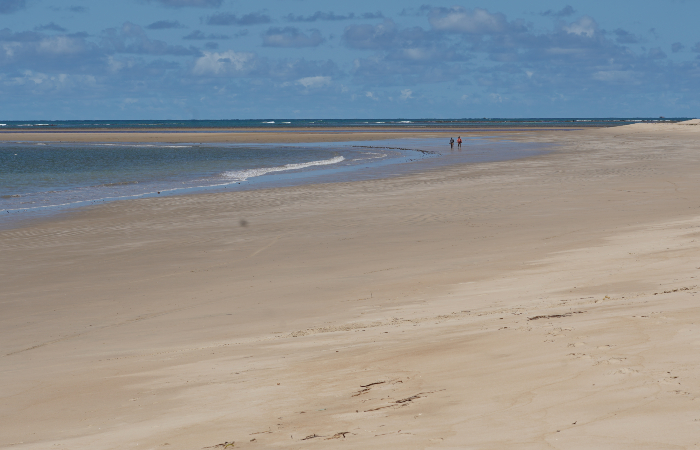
(198, 35)
(314, 82)
(124, 59)
(131, 38)
(371, 36)
(387, 35)
(128, 66)
(291, 37)
(164, 25)
(319, 15)
(190, 3)
(11, 6)
(374, 15)
(403, 56)
(225, 63)
(520, 58)
(50, 27)
(40, 83)
(476, 21)
(225, 18)
(331, 16)
(61, 45)
(564, 12)
(502, 58)
(585, 26)
(409, 44)
(40, 52)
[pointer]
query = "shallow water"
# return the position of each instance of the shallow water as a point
(41, 179)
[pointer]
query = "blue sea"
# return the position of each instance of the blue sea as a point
(282, 124)
(41, 179)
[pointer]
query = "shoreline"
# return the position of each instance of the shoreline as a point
(545, 301)
(429, 154)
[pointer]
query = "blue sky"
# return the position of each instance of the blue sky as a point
(229, 59)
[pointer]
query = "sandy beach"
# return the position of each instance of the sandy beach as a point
(547, 302)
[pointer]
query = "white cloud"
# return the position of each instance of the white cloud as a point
(10, 48)
(476, 21)
(406, 94)
(214, 63)
(60, 45)
(418, 54)
(115, 65)
(585, 26)
(314, 82)
(46, 82)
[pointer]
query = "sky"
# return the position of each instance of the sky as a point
(232, 59)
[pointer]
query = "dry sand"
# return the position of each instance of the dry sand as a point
(549, 302)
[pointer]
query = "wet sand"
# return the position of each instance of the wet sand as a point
(545, 302)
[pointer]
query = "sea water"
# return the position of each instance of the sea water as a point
(40, 179)
(282, 124)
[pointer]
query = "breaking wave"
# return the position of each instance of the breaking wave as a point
(242, 175)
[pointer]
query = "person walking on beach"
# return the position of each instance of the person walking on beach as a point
(452, 143)
(459, 142)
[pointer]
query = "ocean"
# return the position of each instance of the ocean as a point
(281, 124)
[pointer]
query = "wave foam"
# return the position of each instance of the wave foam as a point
(243, 175)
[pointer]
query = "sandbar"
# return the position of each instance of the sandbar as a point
(256, 135)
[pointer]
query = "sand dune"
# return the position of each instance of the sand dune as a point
(545, 302)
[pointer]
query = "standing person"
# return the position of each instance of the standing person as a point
(452, 143)
(459, 142)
